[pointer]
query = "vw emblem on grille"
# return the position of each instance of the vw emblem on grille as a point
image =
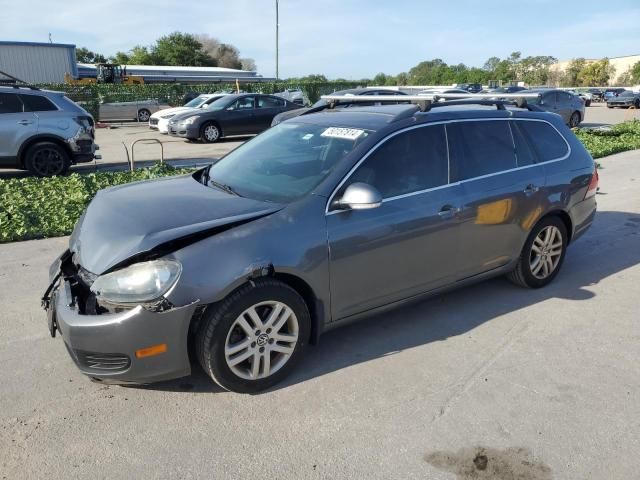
(262, 340)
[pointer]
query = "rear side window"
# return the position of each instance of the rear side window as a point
(480, 148)
(36, 103)
(10, 103)
(546, 140)
(411, 161)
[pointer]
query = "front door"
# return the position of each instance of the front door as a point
(239, 117)
(409, 244)
(501, 188)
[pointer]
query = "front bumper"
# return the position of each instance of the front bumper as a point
(104, 346)
(620, 104)
(184, 130)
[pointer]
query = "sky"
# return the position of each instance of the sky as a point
(341, 38)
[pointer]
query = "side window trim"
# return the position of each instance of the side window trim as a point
(445, 123)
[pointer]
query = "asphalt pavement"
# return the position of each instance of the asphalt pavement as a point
(488, 381)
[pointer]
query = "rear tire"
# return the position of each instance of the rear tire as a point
(144, 115)
(574, 120)
(542, 255)
(232, 346)
(46, 159)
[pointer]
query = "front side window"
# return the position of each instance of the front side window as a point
(37, 103)
(244, 103)
(286, 162)
(270, 102)
(409, 162)
(480, 148)
(545, 140)
(10, 103)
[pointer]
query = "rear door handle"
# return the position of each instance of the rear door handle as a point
(448, 211)
(25, 122)
(531, 189)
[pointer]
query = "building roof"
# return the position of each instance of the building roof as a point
(36, 44)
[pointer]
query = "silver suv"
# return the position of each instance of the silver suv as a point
(43, 131)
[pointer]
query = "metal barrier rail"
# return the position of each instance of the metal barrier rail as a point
(131, 160)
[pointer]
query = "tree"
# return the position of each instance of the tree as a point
(570, 76)
(140, 55)
(635, 73)
(380, 79)
(248, 64)
(228, 56)
(84, 55)
(179, 49)
(120, 58)
(596, 73)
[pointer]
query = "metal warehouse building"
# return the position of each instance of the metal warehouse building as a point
(38, 62)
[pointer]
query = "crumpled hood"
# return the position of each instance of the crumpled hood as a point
(129, 220)
(171, 111)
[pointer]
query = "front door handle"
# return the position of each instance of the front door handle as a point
(25, 122)
(448, 211)
(531, 189)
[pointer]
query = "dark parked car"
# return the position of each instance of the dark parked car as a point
(470, 87)
(511, 89)
(318, 221)
(238, 114)
(626, 99)
(320, 104)
(569, 106)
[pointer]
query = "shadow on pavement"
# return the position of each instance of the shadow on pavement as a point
(606, 249)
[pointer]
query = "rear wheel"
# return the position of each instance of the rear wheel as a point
(144, 115)
(255, 337)
(542, 254)
(46, 159)
(574, 121)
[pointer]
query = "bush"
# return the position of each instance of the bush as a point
(49, 207)
(619, 138)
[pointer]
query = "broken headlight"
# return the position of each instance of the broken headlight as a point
(139, 283)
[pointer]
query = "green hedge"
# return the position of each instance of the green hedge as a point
(49, 207)
(619, 138)
(89, 96)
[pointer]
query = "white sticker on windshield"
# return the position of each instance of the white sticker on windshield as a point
(340, 132)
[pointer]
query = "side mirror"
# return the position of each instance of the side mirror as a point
(360, 196)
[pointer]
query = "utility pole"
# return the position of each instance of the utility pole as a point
(277, 32)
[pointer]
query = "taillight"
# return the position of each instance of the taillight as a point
(593, 184)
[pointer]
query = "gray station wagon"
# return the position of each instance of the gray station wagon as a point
(316, 222)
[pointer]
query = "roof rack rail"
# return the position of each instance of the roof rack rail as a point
(17, 83)
(426, 102)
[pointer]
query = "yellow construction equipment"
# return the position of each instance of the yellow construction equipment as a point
(107, 73)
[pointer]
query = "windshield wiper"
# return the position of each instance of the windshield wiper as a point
(223, 187)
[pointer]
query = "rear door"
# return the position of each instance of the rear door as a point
(501, 193)
(409, 244)
(267, 107)
(16, 126)
(566, 105)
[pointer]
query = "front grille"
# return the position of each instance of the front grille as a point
(153, 121)
(103, 362)
(85, 145)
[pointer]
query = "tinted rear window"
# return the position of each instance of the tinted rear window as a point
(546, 140)
(36, 103)
(480, 148)
(10, 103)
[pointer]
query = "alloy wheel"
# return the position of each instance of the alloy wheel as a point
(574, 120)
(546, 252)
(143, 115)
(48, 162)
(261, 340)
(211, 133)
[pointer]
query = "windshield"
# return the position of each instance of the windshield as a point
(286, 162)
(196, 102)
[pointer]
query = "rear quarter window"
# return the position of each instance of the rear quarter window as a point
(36, 103)
(10, 103)
(546, 141)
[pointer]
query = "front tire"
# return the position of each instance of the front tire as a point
(255, 337)
(210, 133)
(46, 159)
(542, 254)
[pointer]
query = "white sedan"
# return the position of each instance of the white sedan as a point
(160, 120)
